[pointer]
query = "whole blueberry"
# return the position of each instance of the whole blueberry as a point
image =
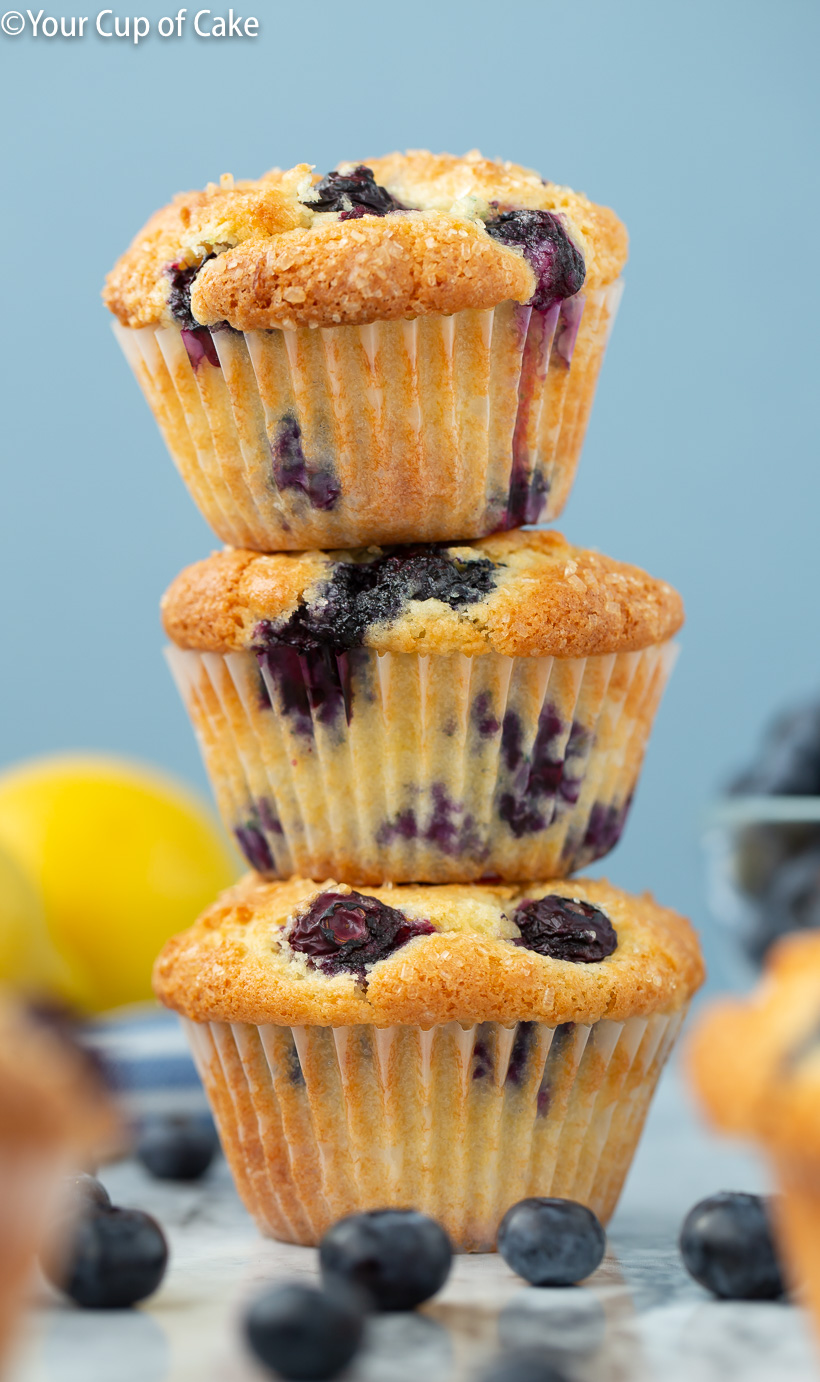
(524, 1366)
(84, 1192)
(177, 1148)
(304, 1332)
(551, 1242)
(727, 1246)
(400, 1257)
(113, 1258)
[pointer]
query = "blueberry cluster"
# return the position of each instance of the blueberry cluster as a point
(352, 195)
(359, 594)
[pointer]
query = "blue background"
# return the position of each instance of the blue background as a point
(697, 122)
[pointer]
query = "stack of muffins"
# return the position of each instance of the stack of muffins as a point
(419, 718)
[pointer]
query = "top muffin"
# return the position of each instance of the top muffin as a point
(406, 235)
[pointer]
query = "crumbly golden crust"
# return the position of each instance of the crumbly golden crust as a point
(378, 268)
(232, 965)
(550, 599)
(281, 264)
(755, 1061)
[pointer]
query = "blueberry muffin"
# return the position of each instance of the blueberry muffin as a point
(451, 1048)
(435, 714)
(52, 1117)
(403, 350)
(755, 1064)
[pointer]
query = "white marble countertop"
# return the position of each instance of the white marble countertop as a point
(639, 1319)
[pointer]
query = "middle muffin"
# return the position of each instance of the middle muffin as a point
(433, 714)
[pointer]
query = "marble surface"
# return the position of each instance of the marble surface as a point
(639, 1319)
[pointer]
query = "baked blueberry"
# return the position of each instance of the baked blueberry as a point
(400, 1257)
(565, 928)
(302, 1332)
(180, 1147)
(558, 265)
(525, 1365)
(344, 932)
(359, 594)
(551, 1242)
(352, 195)
(726, 1244)
(113, 1258)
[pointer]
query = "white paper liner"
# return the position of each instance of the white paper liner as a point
(459, 1121)
(368, 767)
(431, 429)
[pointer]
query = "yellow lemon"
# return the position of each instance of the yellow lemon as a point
(28, 960)
(120, 857)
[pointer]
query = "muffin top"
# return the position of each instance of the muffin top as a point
(402, 236)
(299, 952)
(755, 1061)
(520, 593)
(49, 1093)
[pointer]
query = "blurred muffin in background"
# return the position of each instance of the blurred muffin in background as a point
(54, 1119)
(764, 841)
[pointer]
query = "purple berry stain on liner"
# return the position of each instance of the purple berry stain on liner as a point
(537, 784)
(558, 266)
(519, 1056)
(198, 340)
(342, 933)
(252, 835)
(447, 827)
(564, 928)
(352, 195)
(312, 685)
(291, 470)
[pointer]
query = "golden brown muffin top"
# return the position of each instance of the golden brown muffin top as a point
(755, 1061)
(292, 249)
(259, 955)
(523, 594)
(48, 1093)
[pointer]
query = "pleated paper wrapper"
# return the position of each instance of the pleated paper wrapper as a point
(458, 1121)
(433, 429)
(367, 768)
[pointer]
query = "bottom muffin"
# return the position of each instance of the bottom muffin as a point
(755, 1064)
(452, 1049)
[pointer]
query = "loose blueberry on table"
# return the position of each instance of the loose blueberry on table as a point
(109, 1259)
(84, 1192)
(727, 1246)
(302, 1332)
(551, 1242)
(523, 1366)
(565, 928)
(399, 1257)
(177, 1148)
(345, 932)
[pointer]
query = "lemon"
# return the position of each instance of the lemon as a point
(117, 857)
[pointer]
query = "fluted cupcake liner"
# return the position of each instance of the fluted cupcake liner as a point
(407, 431)
(368, 767)
(458, 1121)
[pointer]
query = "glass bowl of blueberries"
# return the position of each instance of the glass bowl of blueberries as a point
(763, 839)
